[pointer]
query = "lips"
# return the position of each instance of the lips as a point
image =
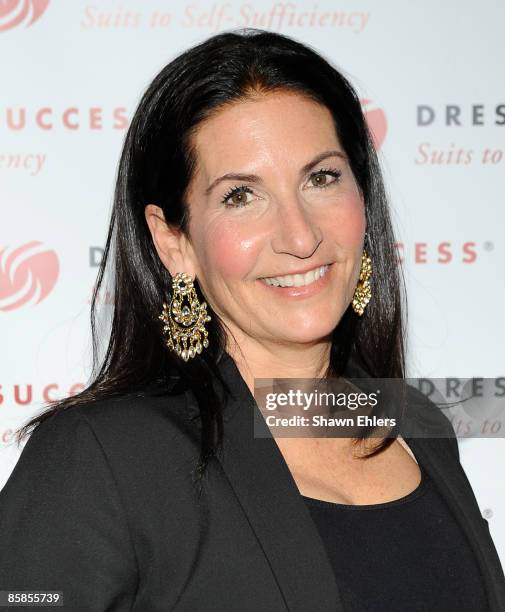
(297, 280)
(292, 273)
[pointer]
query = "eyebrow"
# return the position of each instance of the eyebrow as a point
(253, 178)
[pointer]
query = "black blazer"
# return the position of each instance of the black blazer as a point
(101, 505)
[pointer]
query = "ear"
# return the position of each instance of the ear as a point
(171, 244)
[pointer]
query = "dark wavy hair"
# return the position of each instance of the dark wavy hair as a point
(156, 165)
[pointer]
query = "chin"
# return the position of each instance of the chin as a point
(309, 328)
(310, 335)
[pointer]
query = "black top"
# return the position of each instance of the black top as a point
(407, 554)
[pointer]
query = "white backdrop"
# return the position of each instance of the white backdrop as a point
(431, 78)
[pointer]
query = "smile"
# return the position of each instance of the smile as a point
(296, 280)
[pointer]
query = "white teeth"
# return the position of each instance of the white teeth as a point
(296, 280)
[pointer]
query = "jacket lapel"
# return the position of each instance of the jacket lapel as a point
(270, 498)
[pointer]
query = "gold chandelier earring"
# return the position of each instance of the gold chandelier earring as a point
(363, 292)
(184, 323)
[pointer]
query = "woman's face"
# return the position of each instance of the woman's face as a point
(296, 208)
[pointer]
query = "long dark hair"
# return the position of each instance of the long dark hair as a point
(156, 165)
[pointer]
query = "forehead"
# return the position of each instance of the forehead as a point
(267, 128)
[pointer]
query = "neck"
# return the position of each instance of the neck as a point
(262, 360)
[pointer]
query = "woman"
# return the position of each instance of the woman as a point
(247, 161)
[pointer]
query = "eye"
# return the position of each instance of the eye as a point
(321, 180)
(236, 197)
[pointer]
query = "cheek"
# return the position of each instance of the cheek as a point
(348, 221)
(230, 252)
(356, 224)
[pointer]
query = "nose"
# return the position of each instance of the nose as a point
(295, 232)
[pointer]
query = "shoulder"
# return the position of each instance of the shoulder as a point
(154, 425)
(130, 447)
(124, 413)
(134, 412)
(120, 431)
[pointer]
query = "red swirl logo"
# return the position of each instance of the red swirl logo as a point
(27, 275)
(14, 13)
